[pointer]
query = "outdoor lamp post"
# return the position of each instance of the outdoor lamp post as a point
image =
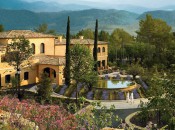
(18, 76)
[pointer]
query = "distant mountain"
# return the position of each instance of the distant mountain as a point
(108, 19)
(39, 6)
(132, 8)
(168, 16)
(168, 8)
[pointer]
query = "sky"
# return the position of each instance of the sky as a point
(103, 3)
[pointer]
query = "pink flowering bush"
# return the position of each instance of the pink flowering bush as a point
(50, 117)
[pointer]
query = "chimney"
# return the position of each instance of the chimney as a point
(81, 37)
(59, 38)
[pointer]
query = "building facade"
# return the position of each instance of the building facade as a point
(48, 56)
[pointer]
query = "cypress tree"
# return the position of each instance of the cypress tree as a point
(95, 46)
(67, 67)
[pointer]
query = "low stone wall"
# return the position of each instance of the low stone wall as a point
(133, 126)
(107, 128)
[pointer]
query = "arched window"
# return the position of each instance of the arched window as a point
(33, 48)
(98, 49)
(103, 50)
(42, 48)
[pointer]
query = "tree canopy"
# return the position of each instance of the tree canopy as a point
(118, 39)
(154, 31)
(1, 28)
(87, 33)
(82, 65)
(44, 87)
(18, 51)
(43, 28)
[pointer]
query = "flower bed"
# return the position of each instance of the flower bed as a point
(44, 116)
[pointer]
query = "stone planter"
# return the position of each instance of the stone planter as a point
(135, 127)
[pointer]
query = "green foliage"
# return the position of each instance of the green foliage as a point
(82, 65)
(140, 93)
(161, 101)
(118, 39)
(87, 33)
(18, 51)
(44, 88)
(69, 90)
(43, 28)
(95, 46)
(103, 36)
(98, 94)
(84, 91)
(1, 28)
(92, 118)
(171, 125)
(58, 88)
(135, 69)
(67, 67)
(155, 32)
(14, 82)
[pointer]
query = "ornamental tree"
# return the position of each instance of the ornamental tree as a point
(82, 65)
(67, 67)
(1, 28)
(45, 88)
(135, 69)
(95, 46)
(18, 51)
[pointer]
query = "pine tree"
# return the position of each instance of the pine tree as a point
(95, 46)
(67, 68)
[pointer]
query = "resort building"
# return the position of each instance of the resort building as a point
(48, 56)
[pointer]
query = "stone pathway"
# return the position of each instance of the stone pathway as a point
(122, 104)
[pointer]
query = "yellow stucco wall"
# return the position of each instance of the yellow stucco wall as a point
(3, 41)
(58, 69)
(5, 69)
(48, 42)
(102, 55)
(60, 50)
(37, 69)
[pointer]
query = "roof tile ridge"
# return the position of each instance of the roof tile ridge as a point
(9, 33)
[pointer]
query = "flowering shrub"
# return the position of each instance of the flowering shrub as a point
(44, 116)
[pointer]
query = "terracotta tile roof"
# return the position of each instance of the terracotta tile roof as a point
(49, 60)
(80, 41)
(25, 33)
